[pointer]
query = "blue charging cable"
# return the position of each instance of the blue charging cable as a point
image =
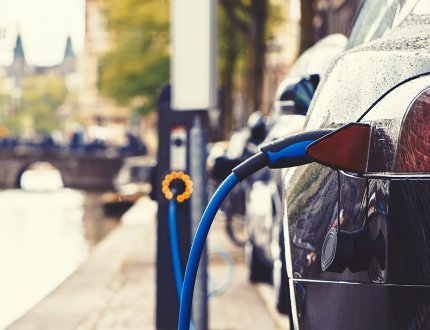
(174, 248)
(197, 248)
(172, 195)
(219, 289)
(176, 258)
(282, 153)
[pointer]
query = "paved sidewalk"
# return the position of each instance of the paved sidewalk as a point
(115, 288)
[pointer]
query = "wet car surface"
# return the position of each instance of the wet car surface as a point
(383, 82)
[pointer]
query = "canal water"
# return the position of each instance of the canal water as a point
(46, 233)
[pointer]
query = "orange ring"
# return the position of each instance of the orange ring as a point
(165, 186)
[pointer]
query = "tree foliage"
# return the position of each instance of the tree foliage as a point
(38, 105)
(244, 28)
(138, 63)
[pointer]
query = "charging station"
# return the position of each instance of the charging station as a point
(182, 122)
(173, 150)
(174, 154)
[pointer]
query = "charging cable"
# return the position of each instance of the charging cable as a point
(174, 248)
(177, 187)
(286, 152)
(219, 289)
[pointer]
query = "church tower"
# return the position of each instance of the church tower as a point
(19, 65)
(69, 61)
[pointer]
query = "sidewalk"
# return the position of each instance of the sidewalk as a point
(115, 288)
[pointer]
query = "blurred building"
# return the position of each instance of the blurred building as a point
(17, 68)
(100, 115)
(328, 17)
(282, 49)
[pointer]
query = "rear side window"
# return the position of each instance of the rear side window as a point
(375, 18)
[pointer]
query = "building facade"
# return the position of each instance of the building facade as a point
(100, 115)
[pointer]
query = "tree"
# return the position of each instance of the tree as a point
(41, 97)
(249, 18)
(137, 66)
(244, 28)
(307, 31)
(231, 48)
(5, 105)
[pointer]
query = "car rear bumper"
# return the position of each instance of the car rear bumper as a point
(341, 305)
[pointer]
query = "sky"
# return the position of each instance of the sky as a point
(44, 26)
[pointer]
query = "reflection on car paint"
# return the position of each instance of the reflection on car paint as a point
(408, 230)
(310, 217)
(361, 306)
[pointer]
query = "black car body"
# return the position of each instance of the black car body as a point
(382, 80)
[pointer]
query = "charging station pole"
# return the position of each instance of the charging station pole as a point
(182, 146)
(173, 155)
(194, 88)
(199, 199)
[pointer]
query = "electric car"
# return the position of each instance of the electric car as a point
(358, 242)
(263, 211)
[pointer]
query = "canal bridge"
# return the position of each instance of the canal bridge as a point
(79, 170)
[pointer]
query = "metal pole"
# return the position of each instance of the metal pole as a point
(198, 173)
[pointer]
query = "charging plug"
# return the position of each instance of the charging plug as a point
(291, 150)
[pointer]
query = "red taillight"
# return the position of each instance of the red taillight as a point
(413, 150)
(346, 148)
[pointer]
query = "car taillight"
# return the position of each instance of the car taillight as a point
(413, 150)
(396, 143)
(346, 148)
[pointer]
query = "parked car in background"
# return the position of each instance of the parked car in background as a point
(223, 157)
(357, 248)
(134, 180)
(265, 246)
(293, 97)
(257, 202)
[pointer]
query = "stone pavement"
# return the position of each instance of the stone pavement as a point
(115, 288)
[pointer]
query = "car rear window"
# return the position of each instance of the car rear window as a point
(376, 18)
